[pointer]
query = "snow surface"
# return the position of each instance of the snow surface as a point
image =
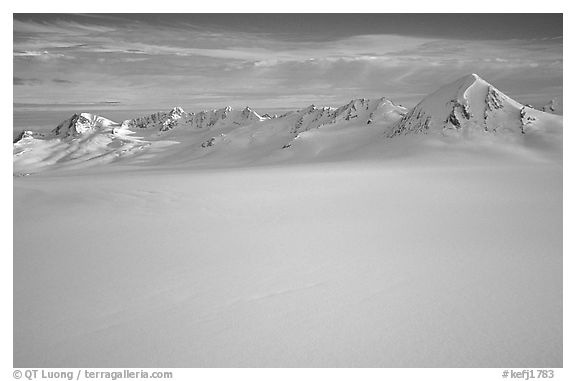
(555, 106)
(324, 237)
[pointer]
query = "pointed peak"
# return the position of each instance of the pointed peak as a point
(356, 101)
(385, 100)
(469, 102)
(472, 76)
(23, 135)
(249, 113)
(470, 79)
(458, 90)
(177, 111)
(80, 123)
(223, 110)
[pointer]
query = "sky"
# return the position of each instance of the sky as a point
(276, 61)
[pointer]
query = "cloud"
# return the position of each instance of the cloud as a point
(150, 63)
(38, 55)
(29, 53)
(26, 81)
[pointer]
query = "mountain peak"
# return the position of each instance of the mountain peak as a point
(250, 114)
(82, 123)
(468, 104)
(470, 77)
(463, 83)
(177, 111)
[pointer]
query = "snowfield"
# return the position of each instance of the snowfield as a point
(362, 236)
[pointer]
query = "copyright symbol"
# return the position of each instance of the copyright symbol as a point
(17, 374)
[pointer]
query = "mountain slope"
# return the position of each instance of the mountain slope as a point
(555, 106)
(468, 106)
(222, 137)
(82, 140)
(83, 123)
(467, 110)
(177, 117)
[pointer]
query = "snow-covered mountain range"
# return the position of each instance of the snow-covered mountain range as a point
(468, 108)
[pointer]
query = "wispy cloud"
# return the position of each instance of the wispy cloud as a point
(26, 81)
(155, 64)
